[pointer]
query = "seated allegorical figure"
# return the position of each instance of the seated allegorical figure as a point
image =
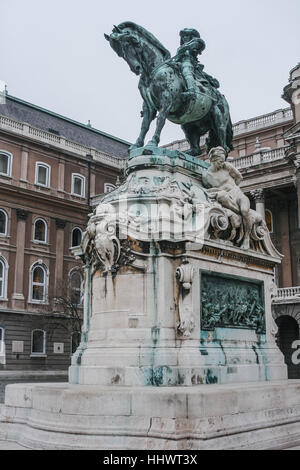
(222, 181)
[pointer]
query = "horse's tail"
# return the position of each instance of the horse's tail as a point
(229, 130)
(229, 133)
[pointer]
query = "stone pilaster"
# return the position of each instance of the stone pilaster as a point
(60, 239)
(18, 295)
(24, 165)
(259, 198)
(61, 176)
(286, 269)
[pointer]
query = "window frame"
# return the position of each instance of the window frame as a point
(76, 228)
(2, 341)
(272, 220)
(46, 231)
(4, 234)
(71, 273)
(9, 165)
(3, 289)
(45, 284)
(82, 178)
(71, 341)
(48, 168)
(44, 343)
(109, 185)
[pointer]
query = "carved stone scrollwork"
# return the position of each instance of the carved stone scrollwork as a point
(219, 221)
(184, 275)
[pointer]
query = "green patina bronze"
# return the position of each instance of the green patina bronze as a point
(231, 302)
(177, 88)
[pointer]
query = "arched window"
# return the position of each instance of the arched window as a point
(75, 341)
(109, 187)
(42, 174)
(40, 231)
(76, 236)
(3, 222)
(75, 287)
(3, 273)
(78, 185)
(2, 332)
(38, 283)
(38, 342)
(269, 220)
(5, 163)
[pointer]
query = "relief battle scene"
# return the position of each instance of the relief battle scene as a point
(231, 302)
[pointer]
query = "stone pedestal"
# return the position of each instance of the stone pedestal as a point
(178, 344)
(157, 301)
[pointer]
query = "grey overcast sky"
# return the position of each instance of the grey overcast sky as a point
(53, 54)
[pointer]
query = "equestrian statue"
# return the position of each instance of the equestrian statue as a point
(177, 88)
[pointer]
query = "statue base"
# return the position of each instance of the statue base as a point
(220, 417)
(178, 345)
(168, 301)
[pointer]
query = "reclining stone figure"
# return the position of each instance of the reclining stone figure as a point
(222, 181)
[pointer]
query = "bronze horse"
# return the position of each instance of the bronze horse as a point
(163, 90)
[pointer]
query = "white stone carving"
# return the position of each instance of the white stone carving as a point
(184, 275)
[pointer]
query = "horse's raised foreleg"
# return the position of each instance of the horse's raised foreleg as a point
(166, 104)
(148, 116)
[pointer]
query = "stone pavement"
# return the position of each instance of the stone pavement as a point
(9, 445)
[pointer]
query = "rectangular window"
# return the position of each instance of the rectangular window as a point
(78, 185)
(42, 175)
(4, 164)
(1, 340)
(38, 342)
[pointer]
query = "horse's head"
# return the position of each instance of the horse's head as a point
(128, 46)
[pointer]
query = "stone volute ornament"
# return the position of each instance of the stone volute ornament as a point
(184, 276)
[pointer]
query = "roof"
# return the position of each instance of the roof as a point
(84, 134)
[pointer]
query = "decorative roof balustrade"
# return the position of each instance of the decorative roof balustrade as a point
(59, 142)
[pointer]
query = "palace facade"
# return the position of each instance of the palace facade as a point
(50, 167)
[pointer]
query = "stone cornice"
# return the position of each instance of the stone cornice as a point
(29, 195)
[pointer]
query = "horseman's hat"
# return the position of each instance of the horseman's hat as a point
(193, 33)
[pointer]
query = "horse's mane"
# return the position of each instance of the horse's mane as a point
(129, 25)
